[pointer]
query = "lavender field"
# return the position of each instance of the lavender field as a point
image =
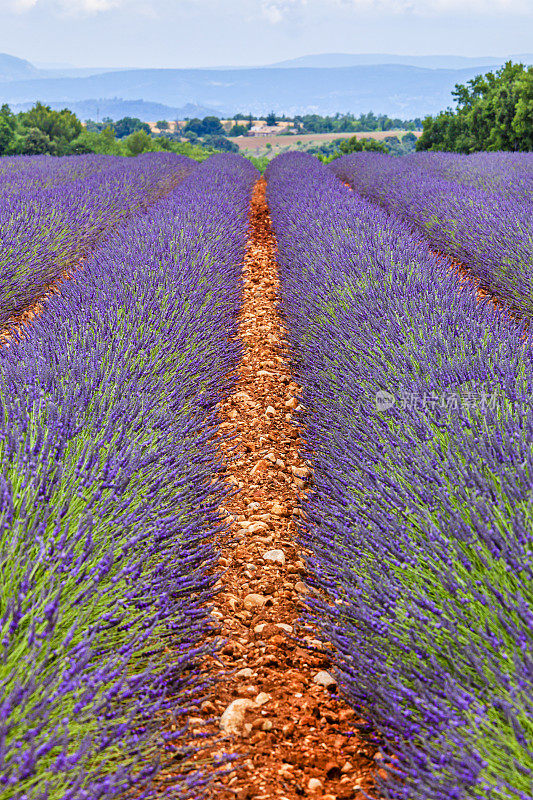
(477, 209)
(108, 501)
(120, 296)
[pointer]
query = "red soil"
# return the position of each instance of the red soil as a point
(297, 738)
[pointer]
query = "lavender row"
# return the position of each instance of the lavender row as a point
(509, 174)
(53, 212)
(109, 497)
(477, 210)
(418, 426)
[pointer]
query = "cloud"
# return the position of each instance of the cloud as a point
(436, 7)
(71, 7)
(19, 5)
(276, 11)
(90, 6)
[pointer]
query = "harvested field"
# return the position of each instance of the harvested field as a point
(257, 145)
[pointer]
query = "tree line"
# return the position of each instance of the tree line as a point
(44, 131)
(493, 112)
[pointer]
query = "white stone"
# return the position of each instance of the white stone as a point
(262, 698)
(314, 785)
(300, 472)
(244, 673)
(254, 601)
(257, 527)
(276, 556)
(232, 720)
(323, 678)
(284, 627)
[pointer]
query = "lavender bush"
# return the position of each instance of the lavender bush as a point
(53, 211)
(109, 495)
(477, 209)
(419, 426)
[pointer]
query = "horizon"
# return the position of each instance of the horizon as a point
(50, 65)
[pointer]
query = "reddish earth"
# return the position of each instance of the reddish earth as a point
(17, 322)
(296, 738)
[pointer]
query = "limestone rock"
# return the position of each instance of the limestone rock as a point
(276, 556)
(323, 678)
(253, 600)
(232, 720)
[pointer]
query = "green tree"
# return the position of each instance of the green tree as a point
(56, 125)
(193, 125)
(355, 145)
(163, 143)
(102, 142)
(35, 143)
(8, 125)
(271, 119)
(79, 147)
(212, 126)
(128, 125)
(238, 130)
(523, 117)
(392, 145)
(221, 143)
(6, 135)
(493, 112)
(162, 125)
(137, 143)
(208, 126)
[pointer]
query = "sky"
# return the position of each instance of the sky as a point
(206, 33)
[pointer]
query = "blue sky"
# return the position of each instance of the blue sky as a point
(196, 33)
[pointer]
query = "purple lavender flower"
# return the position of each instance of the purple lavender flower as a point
(109, 498)
(418, 422)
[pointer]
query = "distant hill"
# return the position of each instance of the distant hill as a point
(73, 72)
(14, 69)
(117, 108)
(329, 60)
(322, 84)
(397, 90)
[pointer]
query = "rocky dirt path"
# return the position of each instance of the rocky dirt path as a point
(18, 322)
(277, 706)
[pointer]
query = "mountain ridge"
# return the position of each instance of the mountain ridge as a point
(332, 60)
(399, 90)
